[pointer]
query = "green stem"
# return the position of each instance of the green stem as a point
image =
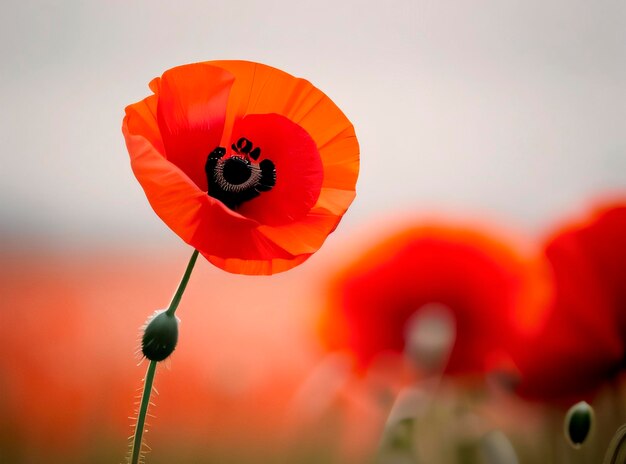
(135, 452)
(183, 284)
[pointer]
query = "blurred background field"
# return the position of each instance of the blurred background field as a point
(249, 382)
(507, 115)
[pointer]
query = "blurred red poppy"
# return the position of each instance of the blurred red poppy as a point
(250, 165)
(583, 342)
(487, 288)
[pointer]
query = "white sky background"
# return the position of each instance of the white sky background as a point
(511, 109)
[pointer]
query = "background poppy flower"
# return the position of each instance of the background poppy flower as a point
(583, 342)
(490, 291)
(278, 160)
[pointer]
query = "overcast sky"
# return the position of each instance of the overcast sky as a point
(511, 109)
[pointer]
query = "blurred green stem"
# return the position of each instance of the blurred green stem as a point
(135, 452)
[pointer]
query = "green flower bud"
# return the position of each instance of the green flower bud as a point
(160, 336)
(578, 423)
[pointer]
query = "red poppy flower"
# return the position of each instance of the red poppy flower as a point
(583, 342)
(249, 165)
(487, 287)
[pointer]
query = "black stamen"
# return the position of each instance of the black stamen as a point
(217, 153)
(237, 179)
(243, 145)
(268, 176)
(254, 154)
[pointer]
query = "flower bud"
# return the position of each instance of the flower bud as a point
(578, 422)
(160, 336)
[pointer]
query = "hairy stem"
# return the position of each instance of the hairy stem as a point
(135, 452)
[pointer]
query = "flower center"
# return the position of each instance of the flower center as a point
(236, 178)
(236, 170)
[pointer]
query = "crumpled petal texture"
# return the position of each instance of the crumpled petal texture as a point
(198, 107)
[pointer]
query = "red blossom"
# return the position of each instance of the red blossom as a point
(488, 287)
(583, 343)
(248, 164)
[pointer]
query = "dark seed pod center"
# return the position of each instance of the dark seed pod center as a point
(240, 177)
(236, 170)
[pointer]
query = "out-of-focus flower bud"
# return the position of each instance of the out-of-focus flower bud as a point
(578, 423)
(160, 336)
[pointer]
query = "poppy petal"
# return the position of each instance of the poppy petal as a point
(192, 101)
(257, 267)
(582, 343)
(299, 170)
(304, 236)
(141, 119)
(197, 218)
(261, 89)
